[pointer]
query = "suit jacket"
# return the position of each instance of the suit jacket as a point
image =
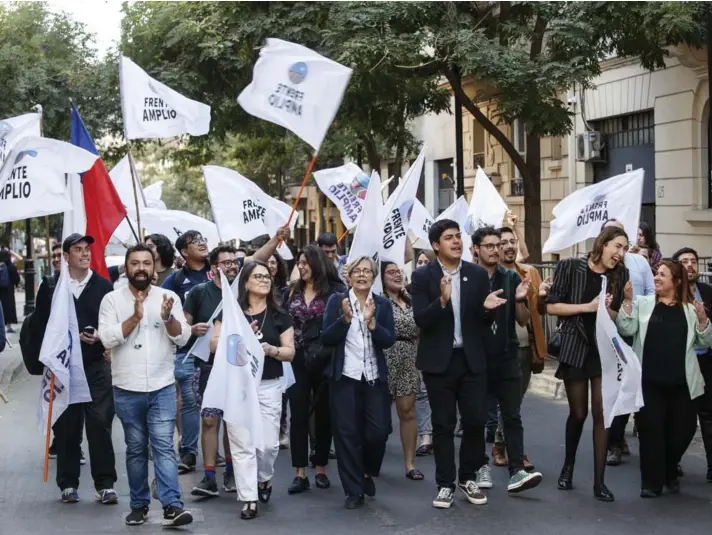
(568, 287)
(437, 324)
(336, 329)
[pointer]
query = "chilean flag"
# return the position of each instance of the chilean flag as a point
(102, 204)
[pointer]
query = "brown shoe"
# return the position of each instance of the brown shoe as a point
(528, 465)
(499, 456)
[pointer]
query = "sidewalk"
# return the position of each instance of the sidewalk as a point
(11, 365)
(545, 384)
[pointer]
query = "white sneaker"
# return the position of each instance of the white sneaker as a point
(444, 498)
(484, 477)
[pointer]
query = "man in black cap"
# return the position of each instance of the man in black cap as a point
(88, 289)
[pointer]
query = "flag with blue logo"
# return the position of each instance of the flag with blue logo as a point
(368, 236)
(237, 370)
(297, 88)
(13, 129)
(61, 354)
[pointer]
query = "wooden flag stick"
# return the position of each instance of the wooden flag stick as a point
(310, 167)
(49, 428)
(341, 238)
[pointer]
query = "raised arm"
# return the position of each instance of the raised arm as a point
(268, 249)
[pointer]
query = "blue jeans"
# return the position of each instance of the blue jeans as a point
(492, 416)
(190, 411)
(422, 411)
(149, 416)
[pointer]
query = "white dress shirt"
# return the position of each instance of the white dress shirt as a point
(145, 360)
(78, 286)
(359, 353)
(455, 300)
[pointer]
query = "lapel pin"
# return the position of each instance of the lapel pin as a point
(464, 279)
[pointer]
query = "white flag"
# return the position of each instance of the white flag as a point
(622, 374)
(296, 88)
(154, 110)
(346, 187)
(75, 219)
(32, 182)
(397, 213)
(153, 194)
(61, 353)
(240, 208)
(123, 183)
(15, 128)
(486, 206)
(420, 223)
(237, 371)
(581, 214)
(457, 211)
(368, 236)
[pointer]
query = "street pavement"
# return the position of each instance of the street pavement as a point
(402, 507)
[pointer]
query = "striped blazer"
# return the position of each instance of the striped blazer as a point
(568, 287)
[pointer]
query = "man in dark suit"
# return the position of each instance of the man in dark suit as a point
(701, 292)
(451, 304)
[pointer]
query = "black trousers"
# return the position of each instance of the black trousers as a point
(705, 407)
(504, 383)
(666, 425)
(361, 419)
(457, 388)
(300, 404)
(98, 417)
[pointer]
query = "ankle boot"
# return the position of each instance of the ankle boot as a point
(566, 478)
(601, 492)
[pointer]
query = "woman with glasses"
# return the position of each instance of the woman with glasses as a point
(360, 325)
(666, 327)
(306, 302)
(403, 376)
(574, 299)
(273, 327)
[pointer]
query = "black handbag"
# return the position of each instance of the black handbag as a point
(317, 356)
(553, 347)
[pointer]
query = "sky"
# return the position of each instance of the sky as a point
(101, 17)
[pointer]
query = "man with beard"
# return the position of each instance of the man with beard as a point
(703, 293)
(89, 290)
(504, 380)
(200, 304)
(532, 351)
(142, 325)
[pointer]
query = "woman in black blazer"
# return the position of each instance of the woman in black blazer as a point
(359, 325)
(574, 298)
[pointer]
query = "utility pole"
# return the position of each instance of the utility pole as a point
(459, 158)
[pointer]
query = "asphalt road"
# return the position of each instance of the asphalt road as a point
(402, 507)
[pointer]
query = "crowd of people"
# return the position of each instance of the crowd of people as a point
(454, 350)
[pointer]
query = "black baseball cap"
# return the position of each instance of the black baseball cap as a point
(73, 239)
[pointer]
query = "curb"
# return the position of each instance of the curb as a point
(546, 385)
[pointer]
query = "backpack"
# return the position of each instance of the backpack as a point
(31, 340)
(4, 276)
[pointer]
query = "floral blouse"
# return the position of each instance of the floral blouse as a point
(301, 312)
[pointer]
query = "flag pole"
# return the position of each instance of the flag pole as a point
(133, 230)
(49, 427)
(310, 167)
(134, 178)
(341, 238)
(49, 244)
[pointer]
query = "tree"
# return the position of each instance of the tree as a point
(527, 53)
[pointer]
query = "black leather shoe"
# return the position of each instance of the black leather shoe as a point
(249, 511)
(322, 481)
(369, 486)
(673, 486)
(566, 478)
(353, 502)
(264, 491)
(602, 493)
(648, 493)
(299, 484)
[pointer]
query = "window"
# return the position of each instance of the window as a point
(519, 140)
(628, 130)
(478, 144)
(556, 148)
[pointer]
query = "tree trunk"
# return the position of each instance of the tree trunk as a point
(5, 234)
(532, 199)
(374, 159)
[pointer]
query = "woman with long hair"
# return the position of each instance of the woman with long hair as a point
(403, 376)
(306, 302)
(280, 277)
(273, 327)
(646, 240)
(666, 327)
(574, 299)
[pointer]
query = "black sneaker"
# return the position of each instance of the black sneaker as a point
(137, 516)
(207, 487)
(220, 461)
(444, 498)
(299, 485)
(82, 459)
(175, 516)
(186, 463)
(53, 450)
(70, 495)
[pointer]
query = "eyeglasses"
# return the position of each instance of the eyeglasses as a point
(489, 246)
(393, 272)
(198, 241)
(261, 277)
(228, 263)
(364, 271)
(55, 256)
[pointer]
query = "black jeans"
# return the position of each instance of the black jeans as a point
(361, 419)
(98, 416)
(666, 425)
(504, 383)
(300, 404)
(457, 388)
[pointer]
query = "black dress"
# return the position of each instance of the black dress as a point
(592, 364)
